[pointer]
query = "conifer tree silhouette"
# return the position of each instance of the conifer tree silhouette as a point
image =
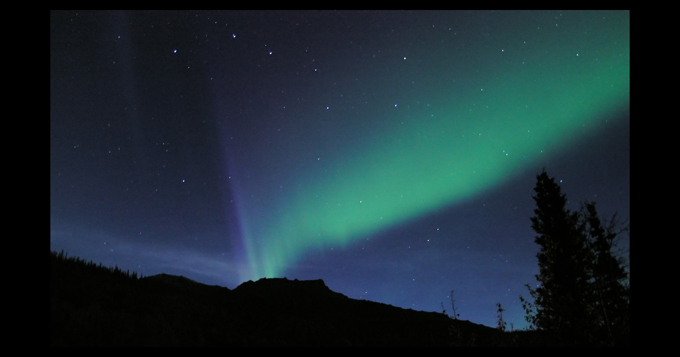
(564, 274)
(611, 292)
(583, 297)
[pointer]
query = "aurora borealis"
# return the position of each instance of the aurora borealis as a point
(362, 148)
(440, 160)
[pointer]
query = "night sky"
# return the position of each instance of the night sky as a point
(392, 154)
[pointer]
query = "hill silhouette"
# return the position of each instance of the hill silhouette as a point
(91, 305)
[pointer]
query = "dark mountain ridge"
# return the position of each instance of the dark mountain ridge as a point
(92, 305)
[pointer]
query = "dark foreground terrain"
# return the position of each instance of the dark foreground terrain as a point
(92, 305)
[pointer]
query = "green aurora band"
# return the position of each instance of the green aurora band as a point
(522, 114)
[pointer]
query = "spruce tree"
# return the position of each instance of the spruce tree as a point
(564, 266)
(611, 292)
